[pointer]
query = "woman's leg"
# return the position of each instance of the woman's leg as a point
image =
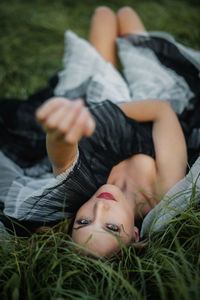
(128, 21)
(103, 33)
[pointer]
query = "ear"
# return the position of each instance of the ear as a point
(136, 237)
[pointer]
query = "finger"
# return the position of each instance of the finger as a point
(90, 126)
(49, 107)
(56, 117)
(78, 128)
(68, 111)
(71, 117)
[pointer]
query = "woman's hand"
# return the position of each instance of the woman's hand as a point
(64, 120)
(65, 123)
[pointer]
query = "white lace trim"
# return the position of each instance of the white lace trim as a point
(61, 177)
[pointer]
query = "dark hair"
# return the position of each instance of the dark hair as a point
(64, 226)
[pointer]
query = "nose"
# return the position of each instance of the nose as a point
(100, 208)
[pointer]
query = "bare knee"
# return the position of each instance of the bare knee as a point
(128, 21)
(126, 11)
(104, 11)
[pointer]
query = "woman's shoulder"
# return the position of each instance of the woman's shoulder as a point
(118, 133)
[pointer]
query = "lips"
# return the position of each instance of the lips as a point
(106, 196)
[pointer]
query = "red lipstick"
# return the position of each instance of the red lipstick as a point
(106, 196)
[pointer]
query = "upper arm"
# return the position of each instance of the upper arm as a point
(144, 110)
(169, 141)
(170, 148)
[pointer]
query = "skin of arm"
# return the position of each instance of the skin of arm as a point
(169, 141)
(62, 155)
(65, 123)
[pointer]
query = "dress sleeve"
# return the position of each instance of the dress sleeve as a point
(45, 199)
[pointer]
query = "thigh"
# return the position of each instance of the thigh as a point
(103, 33)
(129, 21)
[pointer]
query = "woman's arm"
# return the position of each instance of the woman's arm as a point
(65, 122)
(169, 141)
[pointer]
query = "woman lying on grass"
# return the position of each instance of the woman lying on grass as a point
(110, 171)
(115, 205)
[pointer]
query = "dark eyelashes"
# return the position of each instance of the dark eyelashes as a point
(113, 228)
(110, 227)
(80, 222)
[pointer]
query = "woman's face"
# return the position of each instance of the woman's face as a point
(101, 218)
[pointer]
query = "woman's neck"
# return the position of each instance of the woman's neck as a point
(129, 198)
(140, 202)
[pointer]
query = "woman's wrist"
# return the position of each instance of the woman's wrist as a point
(60, 153)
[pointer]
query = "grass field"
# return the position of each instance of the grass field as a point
(49, 267)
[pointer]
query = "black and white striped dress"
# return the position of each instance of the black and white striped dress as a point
(32, 197)
(154, 66)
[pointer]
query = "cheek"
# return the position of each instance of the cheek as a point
(84, 209)
(125, 217)
(123, 212)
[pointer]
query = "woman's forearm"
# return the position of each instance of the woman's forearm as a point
(61, 155)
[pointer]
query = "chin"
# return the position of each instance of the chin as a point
(110, 187)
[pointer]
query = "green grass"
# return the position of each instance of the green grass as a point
(49, 267)
(32, 32)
